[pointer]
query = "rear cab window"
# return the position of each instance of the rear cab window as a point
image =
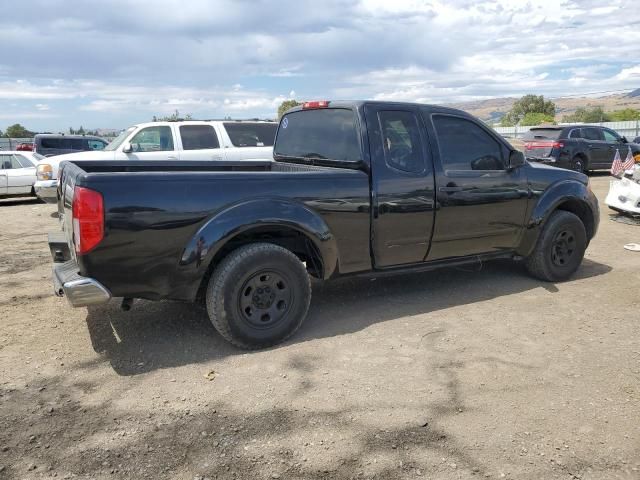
(326, 133)
(251, 134)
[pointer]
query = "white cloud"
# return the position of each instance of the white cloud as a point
(120, 59)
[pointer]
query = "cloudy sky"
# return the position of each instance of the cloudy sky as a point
(111, 63)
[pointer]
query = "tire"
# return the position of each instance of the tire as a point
(560, 248)
(258, 296)
(577, 164)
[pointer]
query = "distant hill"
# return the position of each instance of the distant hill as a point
(492, 109)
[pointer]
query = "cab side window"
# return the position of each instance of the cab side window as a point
(592, 134)
(610, 137)
(153, 139)
(463, 145)
(401, 141)
(96, 144)
(197, 137)
(575, 133)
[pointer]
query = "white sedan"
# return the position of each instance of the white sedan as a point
(18, 173)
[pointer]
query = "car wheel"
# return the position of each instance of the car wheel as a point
(560, 248)
(577, 164)
(258, 296)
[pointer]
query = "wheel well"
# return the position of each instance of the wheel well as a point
(293, 240)
(582, 211)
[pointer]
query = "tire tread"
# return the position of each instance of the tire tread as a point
(217, 284)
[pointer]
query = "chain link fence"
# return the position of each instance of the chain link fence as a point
(12, 143)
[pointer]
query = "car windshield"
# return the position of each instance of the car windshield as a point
(116, 142)
(542, 134)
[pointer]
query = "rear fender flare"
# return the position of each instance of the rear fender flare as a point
(239, 218)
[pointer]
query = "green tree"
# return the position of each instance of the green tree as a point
(587, 115)
(536, 118)
(286, 105)
(18, 131)
(174, 117)
(624, 115)
(525, 105)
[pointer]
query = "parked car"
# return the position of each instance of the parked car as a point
(25, 147)
(576, 147)
(17, 173)
(49, 144)
(356, 188)
(189, 140)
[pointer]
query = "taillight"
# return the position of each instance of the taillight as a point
(315, 104)
(88, 219)
(532, 145)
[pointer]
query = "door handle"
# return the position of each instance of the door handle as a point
(450, 189)
(172, 157)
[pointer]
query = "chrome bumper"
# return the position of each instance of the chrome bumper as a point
(80, 291)
(46, 190)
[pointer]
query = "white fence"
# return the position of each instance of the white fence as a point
(629, 129)
(12, 143)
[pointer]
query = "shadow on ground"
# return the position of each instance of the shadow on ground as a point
(10, 202)
(156, 335)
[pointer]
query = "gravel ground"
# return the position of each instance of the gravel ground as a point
(460, 373)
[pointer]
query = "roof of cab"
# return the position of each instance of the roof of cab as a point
(361, 103)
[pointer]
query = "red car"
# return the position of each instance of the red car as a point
(25, 147)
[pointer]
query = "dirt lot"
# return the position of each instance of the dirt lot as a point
(462, 373)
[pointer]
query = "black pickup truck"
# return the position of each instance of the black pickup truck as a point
(356, 188)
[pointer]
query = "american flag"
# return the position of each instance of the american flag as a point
(629, 162)
(616, 167)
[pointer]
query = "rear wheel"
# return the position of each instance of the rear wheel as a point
(577, 164)
(560, 248)
(258, 296)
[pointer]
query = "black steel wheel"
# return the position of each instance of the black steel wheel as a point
(560, 248)
(258, 296)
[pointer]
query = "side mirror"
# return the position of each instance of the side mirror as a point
(624, 140)
(127, 148)
(516, 159)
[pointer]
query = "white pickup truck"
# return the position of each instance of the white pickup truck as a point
(185, 140)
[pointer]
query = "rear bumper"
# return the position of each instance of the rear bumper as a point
(46, 190)
(67, 281)
(80, 291)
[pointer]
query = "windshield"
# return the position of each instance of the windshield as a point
(328, 133)
(116, 142)
(543, 134)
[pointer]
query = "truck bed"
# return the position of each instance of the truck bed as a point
(155, 210)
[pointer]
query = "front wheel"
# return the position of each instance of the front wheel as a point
(258, 296)
(560, 248)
